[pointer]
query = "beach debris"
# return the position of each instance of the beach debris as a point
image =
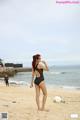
(58, 99)
(13, 101)
(74, 116)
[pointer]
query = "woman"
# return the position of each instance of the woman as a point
(37, 70)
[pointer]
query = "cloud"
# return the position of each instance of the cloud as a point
(29, 27)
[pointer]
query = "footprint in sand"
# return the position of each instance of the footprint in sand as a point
(5, 105)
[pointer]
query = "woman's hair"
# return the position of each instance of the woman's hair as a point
(35, 57)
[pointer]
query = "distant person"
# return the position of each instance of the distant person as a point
(6, 79)
(37, 71)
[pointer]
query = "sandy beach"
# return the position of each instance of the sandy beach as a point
(19, 103)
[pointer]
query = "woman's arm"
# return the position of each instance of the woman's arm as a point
(46, 66)
(32, 78)
(43, 66)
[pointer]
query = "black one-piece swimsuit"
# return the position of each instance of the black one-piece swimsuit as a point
(38, 80)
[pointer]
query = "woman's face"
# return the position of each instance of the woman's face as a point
(39, 59)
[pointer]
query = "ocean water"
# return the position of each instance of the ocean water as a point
(57, 76)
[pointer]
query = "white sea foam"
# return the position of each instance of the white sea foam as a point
(18, 82)
(55, 73)
(71, 88)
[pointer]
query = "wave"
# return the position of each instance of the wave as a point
(57, 73)
(12, 82)
(71, 87)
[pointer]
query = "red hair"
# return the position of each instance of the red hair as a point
(35, 57)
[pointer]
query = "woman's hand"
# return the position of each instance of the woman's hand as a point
(31, 85)
(45, 65)
(44, 62)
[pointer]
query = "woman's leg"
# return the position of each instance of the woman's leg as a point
(44, 90)
(37, 96)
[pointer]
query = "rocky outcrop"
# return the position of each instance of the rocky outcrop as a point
(12, 71)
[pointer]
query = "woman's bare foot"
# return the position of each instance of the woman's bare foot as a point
(46, 110)
(39, 109)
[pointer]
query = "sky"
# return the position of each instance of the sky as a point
(28, 27)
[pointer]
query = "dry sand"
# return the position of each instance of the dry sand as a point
(20, 103)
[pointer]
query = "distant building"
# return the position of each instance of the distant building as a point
(18, 65)
(9, 65)
(13, 65)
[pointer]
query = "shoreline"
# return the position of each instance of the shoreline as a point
(50, 87)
